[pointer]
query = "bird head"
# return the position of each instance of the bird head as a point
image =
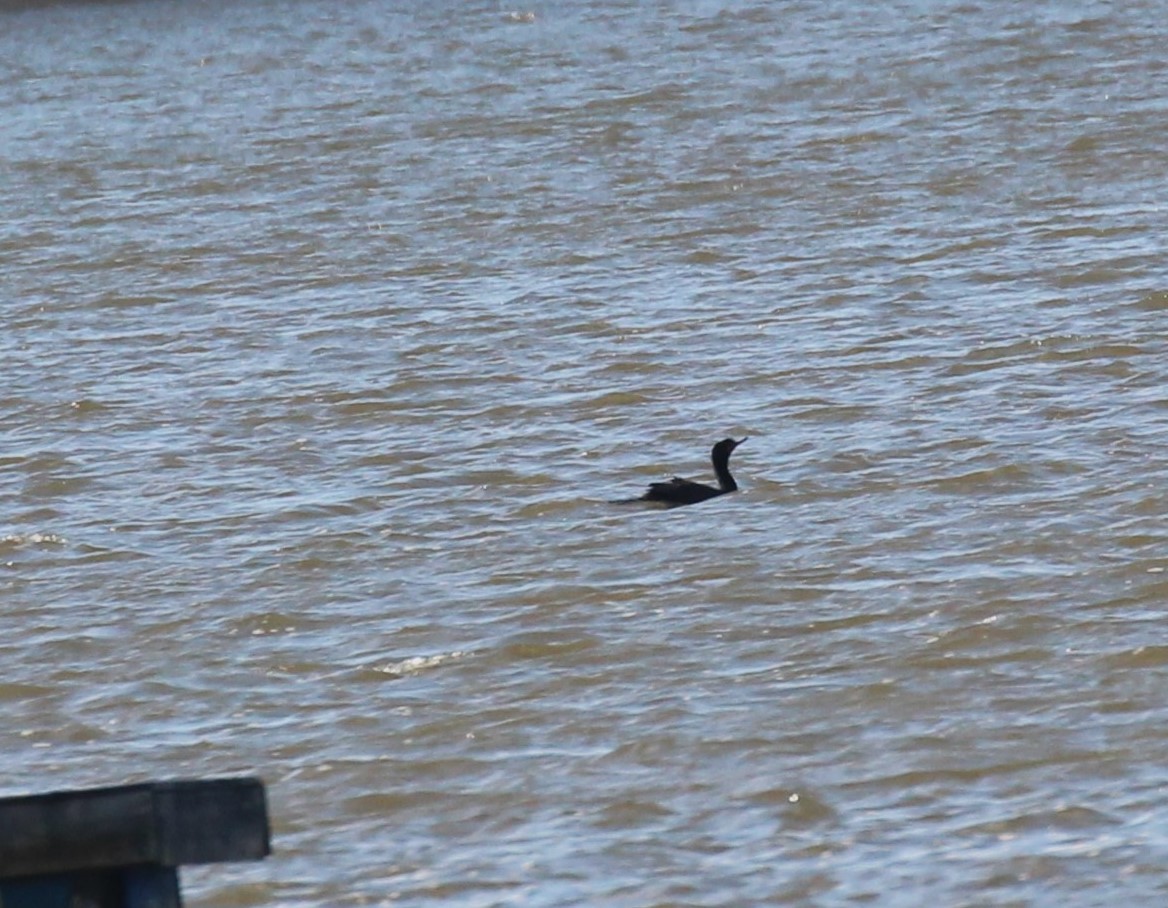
(727, 445)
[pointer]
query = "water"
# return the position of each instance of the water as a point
(330, 330)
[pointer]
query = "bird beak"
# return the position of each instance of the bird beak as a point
(737, 443)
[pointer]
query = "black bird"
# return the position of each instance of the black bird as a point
(679, 491)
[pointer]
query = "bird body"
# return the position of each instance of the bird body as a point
(677, 491)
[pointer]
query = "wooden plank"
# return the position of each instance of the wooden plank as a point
(165, 823)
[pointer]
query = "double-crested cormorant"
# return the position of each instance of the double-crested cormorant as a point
(679, 491)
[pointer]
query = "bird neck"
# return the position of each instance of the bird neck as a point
(722, 471)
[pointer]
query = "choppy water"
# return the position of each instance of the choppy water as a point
(329, 330)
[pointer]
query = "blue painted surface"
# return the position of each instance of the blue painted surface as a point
(150, 886)
(54, 892)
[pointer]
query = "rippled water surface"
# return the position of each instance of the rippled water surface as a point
(330, 331)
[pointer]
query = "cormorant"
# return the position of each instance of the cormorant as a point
(679, 491)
